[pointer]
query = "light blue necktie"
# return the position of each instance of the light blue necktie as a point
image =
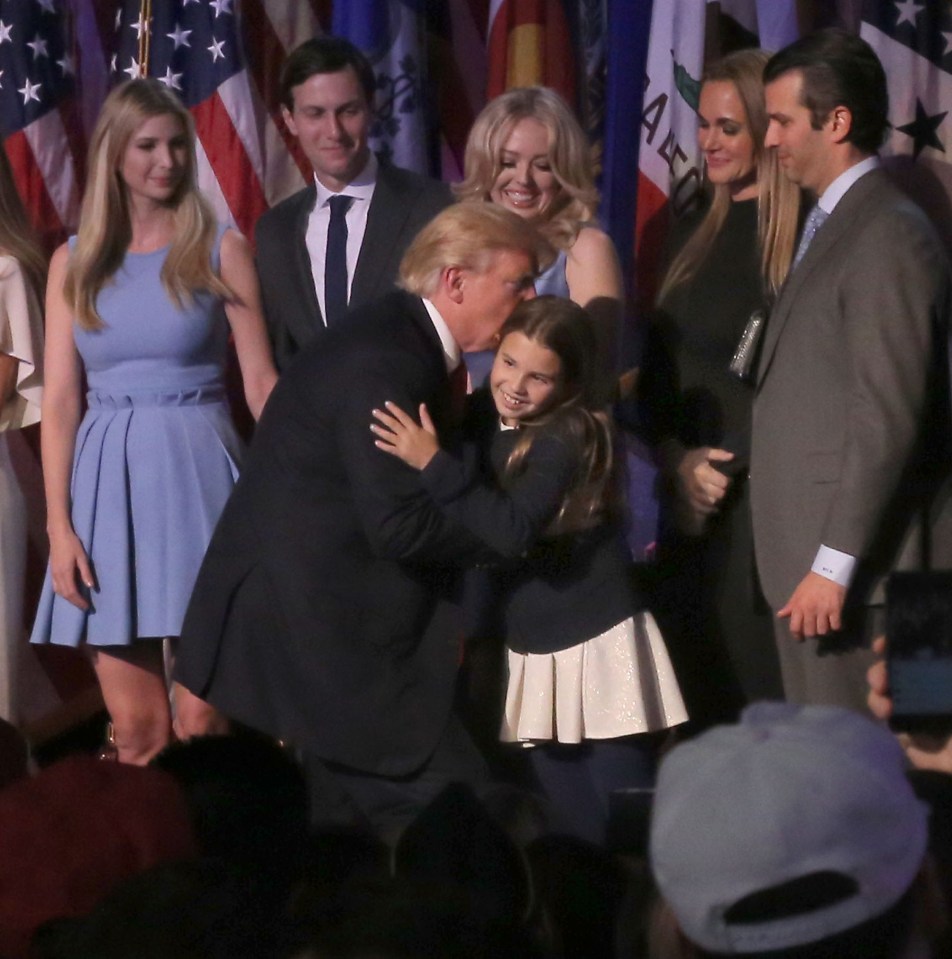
(815, 220)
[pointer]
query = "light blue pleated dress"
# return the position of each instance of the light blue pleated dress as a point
(156, 457)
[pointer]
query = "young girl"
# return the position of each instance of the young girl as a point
(589, 675)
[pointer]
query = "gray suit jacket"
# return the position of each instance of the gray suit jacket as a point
(403, 203)
(851, 424)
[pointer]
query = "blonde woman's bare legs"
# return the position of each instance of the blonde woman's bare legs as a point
(132, 680)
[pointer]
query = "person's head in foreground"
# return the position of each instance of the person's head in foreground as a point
(791, 835)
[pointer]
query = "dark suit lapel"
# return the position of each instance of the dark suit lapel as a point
(388, 212)
(440, 409)
(302, 260)
(422, 321)
(836, 230)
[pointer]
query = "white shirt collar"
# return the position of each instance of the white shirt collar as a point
(451, 350)
(837, 189)
(361, 187)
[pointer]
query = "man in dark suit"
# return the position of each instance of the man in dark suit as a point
(327, 89)
(324, 611)
(850, 466)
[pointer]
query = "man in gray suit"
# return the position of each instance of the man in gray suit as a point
(850, 462)
(327, 89)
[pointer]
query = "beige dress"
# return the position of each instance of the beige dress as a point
(21, 336)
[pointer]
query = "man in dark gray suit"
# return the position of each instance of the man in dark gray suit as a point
(850, 463)
(327, 89)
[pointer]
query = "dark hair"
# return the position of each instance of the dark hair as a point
(325, 55)
(566, 329)
(838, 69)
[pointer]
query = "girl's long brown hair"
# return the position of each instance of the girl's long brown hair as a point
(566, 329)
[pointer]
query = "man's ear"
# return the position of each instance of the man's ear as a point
(840, 122)
(288, 118)
(452, 281)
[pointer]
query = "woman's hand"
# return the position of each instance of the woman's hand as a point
(246, 319)
(399, 435)
(70, 567)
(700, 485)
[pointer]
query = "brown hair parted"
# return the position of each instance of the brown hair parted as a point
(570, 157)
(778, 202)
(566, 329)
(467, 236)
(105, 228)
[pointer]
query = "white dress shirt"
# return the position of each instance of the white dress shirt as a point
(361, 188)
(451, 351)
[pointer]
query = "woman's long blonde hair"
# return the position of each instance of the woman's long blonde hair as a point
(570, 158)
(105, 228)
(17, 237)
(778, 203)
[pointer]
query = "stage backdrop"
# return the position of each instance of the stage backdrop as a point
(630, 68)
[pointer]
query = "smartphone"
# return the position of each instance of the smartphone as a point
(919, 651)
(738, 443)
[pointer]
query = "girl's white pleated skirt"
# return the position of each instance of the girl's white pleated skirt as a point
(618, 684)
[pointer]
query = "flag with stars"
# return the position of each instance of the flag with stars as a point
(196, 48)
(38, 116)
(913, 38)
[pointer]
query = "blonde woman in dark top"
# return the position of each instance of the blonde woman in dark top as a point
(731, 259)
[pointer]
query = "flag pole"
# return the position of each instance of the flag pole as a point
(145, 34)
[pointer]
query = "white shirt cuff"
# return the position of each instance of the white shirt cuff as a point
(834, 565)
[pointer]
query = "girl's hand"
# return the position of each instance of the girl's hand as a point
(70, 566)
(399, 435)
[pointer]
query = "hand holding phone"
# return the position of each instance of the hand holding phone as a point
(919, 651)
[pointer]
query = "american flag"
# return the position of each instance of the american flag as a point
(914, 42)
(38, 116)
